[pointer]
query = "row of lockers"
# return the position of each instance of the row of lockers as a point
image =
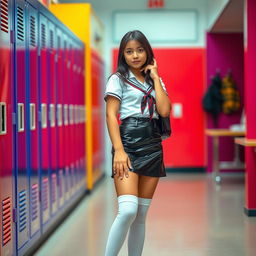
(42, 123)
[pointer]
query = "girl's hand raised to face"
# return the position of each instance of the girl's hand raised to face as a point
(121, 164)
(152, 69)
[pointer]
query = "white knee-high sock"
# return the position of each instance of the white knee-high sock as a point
(127, 211)
(137, 230)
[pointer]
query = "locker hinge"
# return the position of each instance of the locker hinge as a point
(39, 196)
(13, 118)
(14, 215)
(39, 117)
(12, 37)
(56, 58)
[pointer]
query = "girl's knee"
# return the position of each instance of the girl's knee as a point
(128, 207)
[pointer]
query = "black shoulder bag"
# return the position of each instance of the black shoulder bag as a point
(163, 123)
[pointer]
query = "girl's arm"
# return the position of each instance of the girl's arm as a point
(121, 162)
(163, 103)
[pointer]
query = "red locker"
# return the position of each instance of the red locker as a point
(6, 131)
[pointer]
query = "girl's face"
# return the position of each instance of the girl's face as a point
(135, 55)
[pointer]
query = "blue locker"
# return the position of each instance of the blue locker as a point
(21, 171)
(32, 114)
(6, 130)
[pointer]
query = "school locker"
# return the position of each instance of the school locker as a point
(60, 117)
(79, 138)
(74, 88)
(52, 118)
(32, 117)
(81, 79)
(44, 111)
(70, 99)
(97, 104)
(6, 130)
(21, 170)
(67, 117)
(78, 123)
(77, 102)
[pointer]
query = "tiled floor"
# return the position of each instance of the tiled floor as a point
(190, 216)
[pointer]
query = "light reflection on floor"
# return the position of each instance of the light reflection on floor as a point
(190, 216)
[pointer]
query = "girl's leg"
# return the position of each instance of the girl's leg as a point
(127, 192)
(147, 186)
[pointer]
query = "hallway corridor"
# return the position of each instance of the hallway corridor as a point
(190, 216)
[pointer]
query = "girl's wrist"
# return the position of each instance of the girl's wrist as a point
(119, 149)
(156, 78)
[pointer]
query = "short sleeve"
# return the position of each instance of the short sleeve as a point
(114, 88)
(163, 85)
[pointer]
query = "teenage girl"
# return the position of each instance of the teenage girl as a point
(137, 144)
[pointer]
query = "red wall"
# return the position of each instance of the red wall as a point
(182, 71)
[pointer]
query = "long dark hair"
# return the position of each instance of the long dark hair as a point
(122, 66)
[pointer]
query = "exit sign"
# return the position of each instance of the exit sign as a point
(155, 3)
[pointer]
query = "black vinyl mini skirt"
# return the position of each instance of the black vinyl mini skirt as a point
(143, 144)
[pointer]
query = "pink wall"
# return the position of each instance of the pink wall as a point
(225, 51)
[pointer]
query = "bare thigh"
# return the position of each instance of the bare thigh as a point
(147, 186)
(127, 186)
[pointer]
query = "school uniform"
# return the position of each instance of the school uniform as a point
(139, 133)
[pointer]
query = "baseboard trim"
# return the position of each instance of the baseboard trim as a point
(250, 213)
(186, 170)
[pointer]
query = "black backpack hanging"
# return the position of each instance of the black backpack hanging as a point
(212, 100)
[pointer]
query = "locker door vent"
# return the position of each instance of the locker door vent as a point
(34, 201)
(54, 185)
(22, 210)
(43, 36)
(4, 23)
(61, 182)
(6, 221)
(20, 23)
(32, 31)
(58, 42)
(45, 188)
(51, 40)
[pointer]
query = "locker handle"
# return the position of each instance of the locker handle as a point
(32, 116)
(21, 117)
(65, 114)
(3, 117)
(52, 115)
(78, 114)
(75, 114)
(71, 114)
(44, 115)
(59, 115)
